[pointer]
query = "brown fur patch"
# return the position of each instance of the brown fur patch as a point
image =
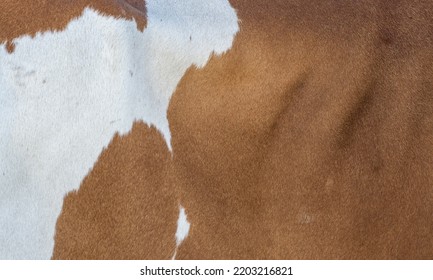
(125, 208)
(311, 138)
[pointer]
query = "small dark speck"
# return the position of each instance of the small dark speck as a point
(44, 81)
(131, 73)
(30, 73)
(10, 47)
(190, 38)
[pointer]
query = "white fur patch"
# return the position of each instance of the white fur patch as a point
(182, 226)
(64, 95)
(182, 229)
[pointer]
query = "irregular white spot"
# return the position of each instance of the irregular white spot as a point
(64, 95)
(182, 226)
(182, 229)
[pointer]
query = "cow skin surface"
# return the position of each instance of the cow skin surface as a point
(218, 129)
